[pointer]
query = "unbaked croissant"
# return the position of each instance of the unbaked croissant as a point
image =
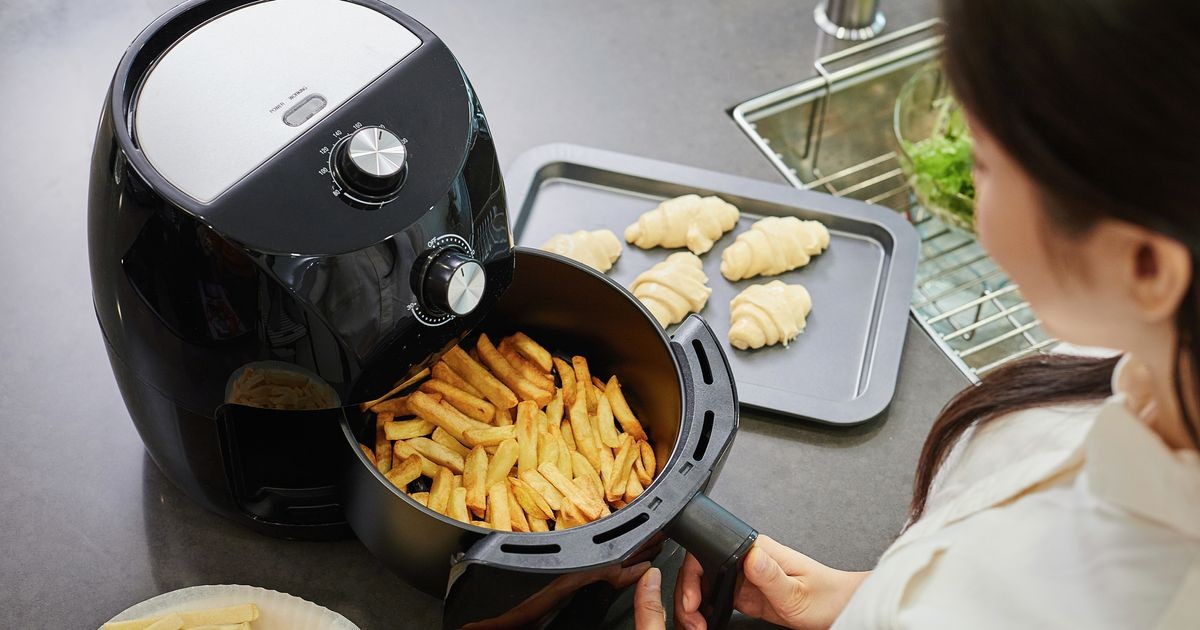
(772, 246)
(598, 249)
(767, 314)
(673, 288)
(690, 220)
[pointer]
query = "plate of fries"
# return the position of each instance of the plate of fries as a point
(227, 607)
(507, 436)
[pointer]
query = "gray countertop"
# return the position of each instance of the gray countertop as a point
(88, 526)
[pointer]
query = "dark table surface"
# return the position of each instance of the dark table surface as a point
(88, 526)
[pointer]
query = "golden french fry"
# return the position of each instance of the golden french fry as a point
(445, 439)
(243, 613)
(437, 453)
(633, 490)
(525, 368)
(643, 475)
(543, 422)
(503, 417)
(443, 372)
(532, 350)
(619, 503)
(506, 456)
(170, 622)
(586, 441)
(478, 376)
(606, 427)
(478, 523)
(599, 385)
(499, 516)
(527, 435)
(405, 473)
(591, 479)
(583, 374)
(439, 492)
(554, 409)
(490, 436)
(648, 459)
(475, 480)
(469, 404)
(420, 497)
(383, 446)
(401, 386)
(607, 461)
(368, 452)
(443, 415)
(547, 448)
(568, 435)
(516, 514)
(403, 450)
(534, 504)
(508, 374)
(570, 516)
(457, 509)
(620, 408)
(544, 488)
(622, 468)
(407, 429)
(538, 525)
(588, 506)
(564, 456)
(395, 406)
(566, 374)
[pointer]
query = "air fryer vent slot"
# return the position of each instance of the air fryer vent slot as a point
(530, 549)
(621, 530)
(702, 357)
(705, 433)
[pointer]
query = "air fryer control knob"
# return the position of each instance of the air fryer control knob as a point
(454, 282)
(371, 163)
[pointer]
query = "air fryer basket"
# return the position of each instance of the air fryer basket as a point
(680, 389)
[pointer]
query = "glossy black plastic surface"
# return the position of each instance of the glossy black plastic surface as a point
(280, 274)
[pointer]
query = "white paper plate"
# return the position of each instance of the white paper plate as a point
(277, 611)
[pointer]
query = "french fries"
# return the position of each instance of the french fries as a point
(478, 376)
(407, 429)
(233, 615)
(437, 454)
(442, 372)
(469, 404)
(506, 445)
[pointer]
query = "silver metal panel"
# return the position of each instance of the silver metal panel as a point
(217, 104)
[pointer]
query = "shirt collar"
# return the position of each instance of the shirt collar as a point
(1130, 466)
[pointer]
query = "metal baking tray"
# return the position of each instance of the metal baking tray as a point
(842, 369)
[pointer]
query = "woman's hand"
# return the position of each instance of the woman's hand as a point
(781, 586)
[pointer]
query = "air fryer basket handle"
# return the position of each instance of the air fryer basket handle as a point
(717, 538)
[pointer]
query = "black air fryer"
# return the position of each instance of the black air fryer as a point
(295, 205)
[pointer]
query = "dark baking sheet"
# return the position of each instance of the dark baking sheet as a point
(842, 369)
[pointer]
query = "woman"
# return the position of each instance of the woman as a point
(1060, 492)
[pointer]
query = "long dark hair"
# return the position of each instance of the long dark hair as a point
(1096, 101)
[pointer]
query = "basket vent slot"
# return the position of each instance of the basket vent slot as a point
(621, 530)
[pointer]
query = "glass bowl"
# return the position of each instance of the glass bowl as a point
(935, 148)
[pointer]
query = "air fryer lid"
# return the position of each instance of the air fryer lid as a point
(235, 91)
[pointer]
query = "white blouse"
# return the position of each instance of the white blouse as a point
(1063, 517)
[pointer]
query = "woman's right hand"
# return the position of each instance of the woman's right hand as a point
(781, 586)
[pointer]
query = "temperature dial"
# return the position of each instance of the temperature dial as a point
(453, 283)
(371, 163)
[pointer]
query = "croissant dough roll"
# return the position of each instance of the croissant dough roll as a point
(690, 220)
(673, 288)
(772, 246)
(767, 314)
(598, 249)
